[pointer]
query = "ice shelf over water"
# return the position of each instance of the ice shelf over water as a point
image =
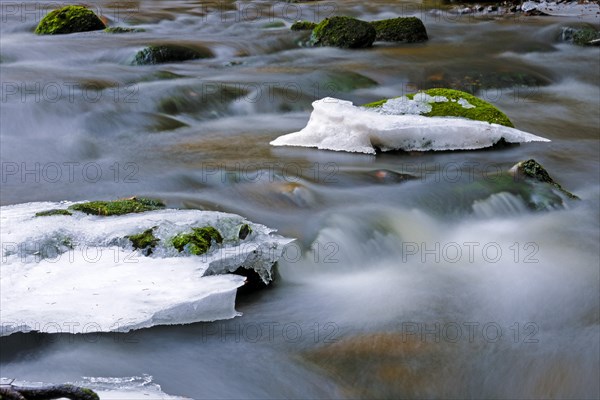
(339, 125)
(125, 388)
(79, 274)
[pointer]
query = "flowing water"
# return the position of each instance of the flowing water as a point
(488, 298)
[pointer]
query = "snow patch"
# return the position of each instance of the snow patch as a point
(340, 126)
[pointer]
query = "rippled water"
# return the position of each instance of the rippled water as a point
(378, 253)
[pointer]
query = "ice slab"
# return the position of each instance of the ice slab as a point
(79, 274)
(114, 388)
(339, 125)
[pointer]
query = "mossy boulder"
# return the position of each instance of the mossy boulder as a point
(69, 19)
(452, 103)
(198, 241)
(581, 35)
(145, 241)
(167, 53)
(531, 169)
(343, 32)
(56, 211)
(118, 207)
(409, 30)
(303, 26)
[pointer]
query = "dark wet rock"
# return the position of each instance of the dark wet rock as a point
(531, 169)
(303, 26)
(343, 32)
(168, 53)
(69, 19)
(410, 30)
(245, 230)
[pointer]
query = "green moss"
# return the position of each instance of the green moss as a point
(533, 170)
(118, 207)
(69, 19)
(482, 110)
(303, 26)
(48, 213)
(198, 241)
(344, 32)
(166, 53)
(91, 395)
(408, 30)
(274, 24)
(145, 241)
(245, 230)
(583, 37)
(121, 29)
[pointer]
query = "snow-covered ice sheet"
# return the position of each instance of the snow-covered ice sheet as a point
(339, 125)
(113, 388)
(79, 274)
(564, 9)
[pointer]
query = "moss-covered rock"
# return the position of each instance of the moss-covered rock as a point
(581, 35)
(118, 207)
(166, 53)
(69, 19)
(344, 32)
(56, 211)
(531, 169)
(410, 30)
(454, 103)
(145, 241)
(198, 241)
(121, 29)
(303, 26)
(245, 230)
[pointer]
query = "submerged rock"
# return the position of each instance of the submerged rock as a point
(410, 30)
(121, 29)
(69, 19)
(443, 103)
(166, 53)
(344, 32)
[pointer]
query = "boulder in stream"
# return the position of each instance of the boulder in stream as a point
(409, 30)
(167, 53)
(344, 32)
(69, 19)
